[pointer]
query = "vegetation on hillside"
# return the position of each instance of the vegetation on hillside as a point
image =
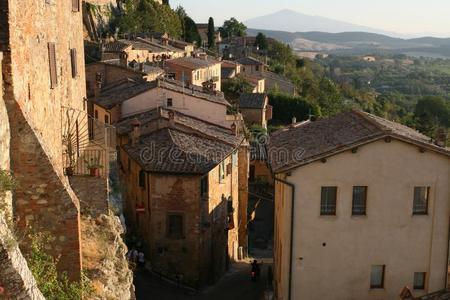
(233, 28)
(188, 27)
(148, 16)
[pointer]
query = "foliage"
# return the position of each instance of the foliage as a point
(233, 27)
(236, 86)
(148, 16)
(261, 41)
(54, 286)
(7, 181)
(285, 107)
(430, 113)
(211, 33)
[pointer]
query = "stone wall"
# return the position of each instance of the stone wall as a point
(43, 200)
(15, 278)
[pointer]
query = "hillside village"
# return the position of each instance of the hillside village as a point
(146, 165)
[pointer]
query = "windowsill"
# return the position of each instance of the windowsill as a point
(419, 289)
(359, 215)
(375, 288)
(420, 214)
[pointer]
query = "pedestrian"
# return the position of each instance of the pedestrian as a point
(141, 260)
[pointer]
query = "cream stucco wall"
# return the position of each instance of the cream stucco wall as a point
(184, 103)
(389, 234)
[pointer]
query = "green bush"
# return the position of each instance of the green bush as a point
(285, 107)
(53, 285)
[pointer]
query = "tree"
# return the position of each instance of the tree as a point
(261, 41)
(232, 27)
(165, 2)
(191, 31)
(211, 33)
(233, 88)
(148, 16)
(431, 112)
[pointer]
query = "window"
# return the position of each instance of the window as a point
(257, 68)
(222, 171)
(142, 178)
(328, 201)
(420, 205)
(204, 186)
(52, 65)
(419, 280)
(175, 226)
(169, 102)
(377, 277)
(75, 5)
(73, 62)
(106, 119)
(359, 200)
(96, 114)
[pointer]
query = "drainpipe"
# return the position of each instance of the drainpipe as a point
(292, 186)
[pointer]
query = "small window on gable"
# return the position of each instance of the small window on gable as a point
(106, 119)
(52, 65)
(377, 276)
(142, 178)
(419, 280)
(175, 226)
(204, 187)
(420, 204)
(328, 201)
(73, 62)
(359, 200)
(222, 171)
(75, 5)
(169, 102)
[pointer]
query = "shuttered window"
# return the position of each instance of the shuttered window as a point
(142, 178)
(73, 61)
(52, 65)
(75, 5)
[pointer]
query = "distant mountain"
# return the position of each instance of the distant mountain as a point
(359, 43)
(292, 21)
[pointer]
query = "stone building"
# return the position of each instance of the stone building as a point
(128, 97)
(361, 209)
(204, 72)
(255, 109)
(272, 81)
(185, 184)
(43, 74)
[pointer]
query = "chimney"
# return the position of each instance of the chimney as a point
(441, 137)
(171, 118)
(234, 129)
(136, 132)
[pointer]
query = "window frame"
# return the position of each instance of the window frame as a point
(74, 62)
(173, 236)
(415, 210)
(169, 102)
(141, 179)
(76, 5)
(204, 187)
(354, 211)
(383, 277)
(222, 171)
(323, 212)
(424, 277)
(53, 69)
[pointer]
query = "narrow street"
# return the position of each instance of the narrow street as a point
(235, 285)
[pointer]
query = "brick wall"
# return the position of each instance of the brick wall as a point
(43, 200)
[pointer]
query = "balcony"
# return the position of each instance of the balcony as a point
(89, 159)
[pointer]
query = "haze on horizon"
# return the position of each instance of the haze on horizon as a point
(407, 17)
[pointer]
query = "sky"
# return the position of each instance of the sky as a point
(411, 17)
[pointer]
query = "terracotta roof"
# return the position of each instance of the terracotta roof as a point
(310, 141)
(252, 100)
(170, 150)
(116, 46)
(121, 91)
(192, 63)
(229, 64)
(202, 127)
(440, 295)
(246, 61)
(258, 151)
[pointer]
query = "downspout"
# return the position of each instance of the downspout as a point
(292, 186)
